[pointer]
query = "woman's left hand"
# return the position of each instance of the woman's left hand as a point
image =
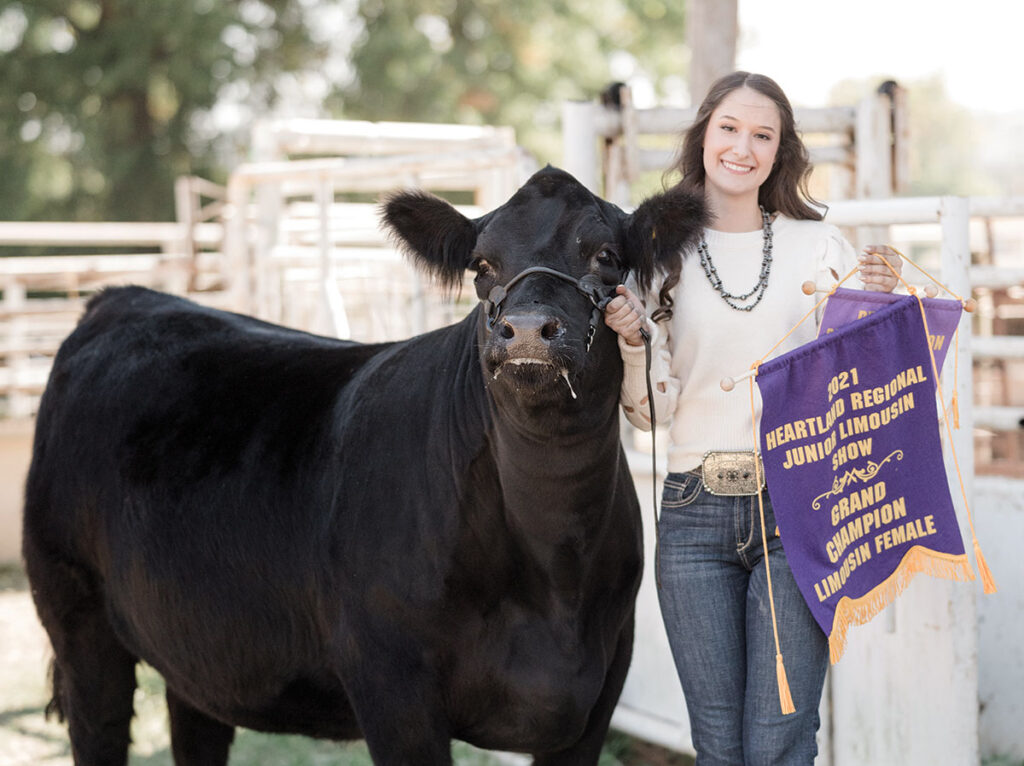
(874, 273)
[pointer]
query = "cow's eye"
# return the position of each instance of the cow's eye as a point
(482, 268)
(606, 255)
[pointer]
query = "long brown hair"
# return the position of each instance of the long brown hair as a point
(784, 191)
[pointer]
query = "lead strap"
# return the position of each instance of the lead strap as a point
(654, 457)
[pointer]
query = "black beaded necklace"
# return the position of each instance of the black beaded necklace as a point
(762, 280)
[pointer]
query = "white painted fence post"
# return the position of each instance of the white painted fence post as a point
(237, 248)
(956, 264)
(579, 142)
(872, 160)
(332, 306)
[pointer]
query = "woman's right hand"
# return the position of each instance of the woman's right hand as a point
(625, 314)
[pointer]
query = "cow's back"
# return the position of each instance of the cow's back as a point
(152, 391)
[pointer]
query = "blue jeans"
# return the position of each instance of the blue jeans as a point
(714, 601)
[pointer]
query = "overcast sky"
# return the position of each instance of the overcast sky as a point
(809, 45)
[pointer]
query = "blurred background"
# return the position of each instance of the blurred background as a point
(105, 102)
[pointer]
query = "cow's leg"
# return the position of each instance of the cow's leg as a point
(93, 674)
(587, 749)
(400, 713)
(197, 739)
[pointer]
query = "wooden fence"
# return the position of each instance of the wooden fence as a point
(864, 146)
(293, 238)
(43, 296)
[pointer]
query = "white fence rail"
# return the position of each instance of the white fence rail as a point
(43, 296)
(283, 240)
(298, 249)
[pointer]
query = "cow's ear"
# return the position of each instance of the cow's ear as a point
(432, 232)
(660, 230)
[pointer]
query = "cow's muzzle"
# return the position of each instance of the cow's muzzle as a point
(590, 286)
(526, 338)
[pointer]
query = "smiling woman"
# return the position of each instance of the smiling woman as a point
(726, 306)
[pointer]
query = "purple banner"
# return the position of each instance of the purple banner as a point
(850, 442)
(845, 306)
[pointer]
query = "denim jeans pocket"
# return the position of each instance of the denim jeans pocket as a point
(681, 489)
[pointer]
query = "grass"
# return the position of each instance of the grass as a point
(28, 739)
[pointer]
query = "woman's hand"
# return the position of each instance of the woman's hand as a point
(625, 315)
(874, 273)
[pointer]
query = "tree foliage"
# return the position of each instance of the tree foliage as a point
(502, 63)
(104, 101)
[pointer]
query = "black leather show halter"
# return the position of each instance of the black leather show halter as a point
(600, 295)
(589, 285)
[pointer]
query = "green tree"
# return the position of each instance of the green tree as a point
(104, 101)
(502, 63)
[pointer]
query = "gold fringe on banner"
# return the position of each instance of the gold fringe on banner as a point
(917, 560)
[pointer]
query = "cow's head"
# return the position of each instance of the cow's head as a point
(542, 341)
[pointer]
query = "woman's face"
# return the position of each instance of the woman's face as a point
(740, 144)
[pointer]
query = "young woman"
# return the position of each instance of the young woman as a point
(731, 302)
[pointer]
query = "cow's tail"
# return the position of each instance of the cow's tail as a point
(55, 707)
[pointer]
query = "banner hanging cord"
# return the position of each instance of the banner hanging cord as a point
(987, 581)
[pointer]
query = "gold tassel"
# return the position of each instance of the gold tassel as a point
(987, 581)
(955, 407)
(785, 698)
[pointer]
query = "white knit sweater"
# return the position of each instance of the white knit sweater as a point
(707, 340)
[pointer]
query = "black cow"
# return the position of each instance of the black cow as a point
(407, 542)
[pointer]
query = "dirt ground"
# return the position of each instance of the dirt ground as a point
(26, 738)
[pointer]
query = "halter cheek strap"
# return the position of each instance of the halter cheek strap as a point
(589, 285)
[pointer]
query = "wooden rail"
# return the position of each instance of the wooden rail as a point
(43, 296)
(865, 144)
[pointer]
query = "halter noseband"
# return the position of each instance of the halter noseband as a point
(589, 285)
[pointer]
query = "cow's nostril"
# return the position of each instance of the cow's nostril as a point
(551, 329)
(507, 331)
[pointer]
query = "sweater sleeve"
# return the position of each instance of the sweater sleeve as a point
(837, 260)
(634, 379)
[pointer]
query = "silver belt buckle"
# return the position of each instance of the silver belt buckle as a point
(732, 474)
